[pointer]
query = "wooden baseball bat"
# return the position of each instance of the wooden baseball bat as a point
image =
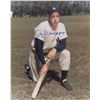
(38, 85)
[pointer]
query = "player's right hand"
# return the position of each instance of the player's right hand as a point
(44, 69)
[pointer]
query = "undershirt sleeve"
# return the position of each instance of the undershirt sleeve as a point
(61, 45)
(39, 50)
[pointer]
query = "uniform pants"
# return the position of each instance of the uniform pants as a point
(64, 62)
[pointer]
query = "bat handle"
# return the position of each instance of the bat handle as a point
(47, 60)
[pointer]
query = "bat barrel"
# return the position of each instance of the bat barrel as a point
(38, 85)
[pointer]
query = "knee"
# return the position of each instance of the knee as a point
(65, 53)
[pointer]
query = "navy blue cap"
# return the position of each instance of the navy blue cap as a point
(54, 9)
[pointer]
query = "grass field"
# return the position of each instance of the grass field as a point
(78, 28)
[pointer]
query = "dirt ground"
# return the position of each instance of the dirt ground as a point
(78, 28)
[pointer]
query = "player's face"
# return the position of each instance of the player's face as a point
(54, 19)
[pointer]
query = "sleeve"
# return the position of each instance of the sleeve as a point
(39, 50)
(39, 33)
(63, 32)
(61, 45)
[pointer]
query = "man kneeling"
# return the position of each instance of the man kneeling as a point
(49, 41)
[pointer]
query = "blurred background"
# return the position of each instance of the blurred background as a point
(40, 8)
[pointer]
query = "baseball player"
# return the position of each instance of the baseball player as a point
(49, 41)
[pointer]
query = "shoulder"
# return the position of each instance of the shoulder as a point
(61, 24)
(42, 24)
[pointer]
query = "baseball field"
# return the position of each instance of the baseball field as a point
(78, 29)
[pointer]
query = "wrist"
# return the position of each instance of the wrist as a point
(55, 49)
(43, 64)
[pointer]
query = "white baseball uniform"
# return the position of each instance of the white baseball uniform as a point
(45, 33)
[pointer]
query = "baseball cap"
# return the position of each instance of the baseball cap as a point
(54, 9)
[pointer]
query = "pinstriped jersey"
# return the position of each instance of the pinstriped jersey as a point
(45, 33)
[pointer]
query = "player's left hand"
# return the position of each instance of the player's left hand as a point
(52, 53)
